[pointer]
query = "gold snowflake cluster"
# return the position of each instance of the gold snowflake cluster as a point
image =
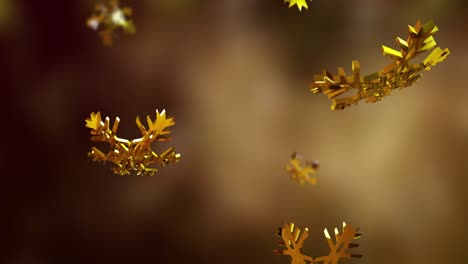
(302, 174)
(109, 17)
(132, 155)
(300, 3)
(293, 240)
(399, 74)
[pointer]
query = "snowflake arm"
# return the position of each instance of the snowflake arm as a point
(293, 240)
(339, 249)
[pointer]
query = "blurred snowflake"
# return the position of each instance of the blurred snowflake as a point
(109, 17)
(302, 174)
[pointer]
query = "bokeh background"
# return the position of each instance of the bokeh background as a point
(235, 75)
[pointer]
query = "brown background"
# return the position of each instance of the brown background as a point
(235, 76)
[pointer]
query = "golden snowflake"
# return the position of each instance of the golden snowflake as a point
(302, 174)
(136, 154)
(293, 240)
(109, 17)
(399, 74)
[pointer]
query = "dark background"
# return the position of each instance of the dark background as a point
(235, 76)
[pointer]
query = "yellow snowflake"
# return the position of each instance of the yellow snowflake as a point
(300, 173)
(300, 3)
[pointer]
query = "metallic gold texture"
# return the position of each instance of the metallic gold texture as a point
(108, 17)
(135, 154)
(306, 174)
(399, 74)
(293, 240)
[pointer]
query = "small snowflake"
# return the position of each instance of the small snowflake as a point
(109, 17)
(300, 3)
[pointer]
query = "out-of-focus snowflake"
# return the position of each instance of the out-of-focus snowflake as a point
(302, 174)
(109, 17)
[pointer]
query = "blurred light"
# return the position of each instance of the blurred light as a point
(6, 15)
